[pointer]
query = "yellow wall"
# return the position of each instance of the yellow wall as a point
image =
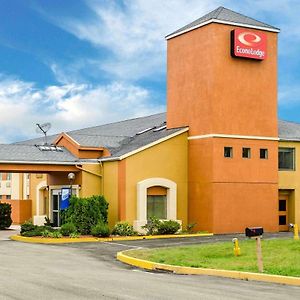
(110, 190)
(290, 181)
(167, 160)
(91, 180)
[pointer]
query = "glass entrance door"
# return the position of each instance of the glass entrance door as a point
(56, 194)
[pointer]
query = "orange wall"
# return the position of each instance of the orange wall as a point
(213, 92)
(21, 210)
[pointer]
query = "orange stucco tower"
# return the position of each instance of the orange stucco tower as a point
(222, 83)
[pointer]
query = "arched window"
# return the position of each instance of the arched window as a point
(155, 197)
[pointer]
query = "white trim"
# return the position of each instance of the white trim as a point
(64, 133)
(232, 136)
(170, 36)
(146, 146)
(289, 140)
(142, 199)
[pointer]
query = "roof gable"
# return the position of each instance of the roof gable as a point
(225, 16)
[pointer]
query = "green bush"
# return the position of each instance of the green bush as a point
(27, 227)
(85, 213)
(100, 230)
(151, 226)
(123, 229)
(74, 235)
(67, 229)
(168, 227)
(55, 234)
(5, 215)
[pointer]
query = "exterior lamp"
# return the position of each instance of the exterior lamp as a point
(71, 177)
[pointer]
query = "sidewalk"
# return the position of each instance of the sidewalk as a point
(5, 234)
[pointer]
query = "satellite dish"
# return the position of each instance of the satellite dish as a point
(43, 128)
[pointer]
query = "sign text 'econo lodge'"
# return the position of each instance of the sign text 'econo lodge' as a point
(248, 44)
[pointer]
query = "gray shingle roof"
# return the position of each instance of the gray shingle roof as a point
(26, 153)
(288, 130)
(119, 138)
(227, 16)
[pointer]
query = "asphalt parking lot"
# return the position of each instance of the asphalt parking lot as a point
(91, 271)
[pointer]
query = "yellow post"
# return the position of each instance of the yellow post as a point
(236, 248)
(296, 232)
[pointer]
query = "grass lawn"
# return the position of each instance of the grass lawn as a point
(280, 257)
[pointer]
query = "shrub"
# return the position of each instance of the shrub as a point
(168, 227)
(46, 233)
(151, 226)
(67, 229)
(5, 215)
(85, 213)
(32, 233)
(100, 230)
(55, 234)
(123, 229)
(27, 227)
(74, 235)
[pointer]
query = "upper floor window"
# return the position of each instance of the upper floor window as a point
(246, 153)
(228, 152)
(286, 159)
(8, 176)
(263, 153)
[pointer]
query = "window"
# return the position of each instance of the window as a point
(157, 206)
(246, 153)
(8, 176)
(282, 205)
(1, 176)
(282, 220)
(286, 159)
(8, 197)
(228, 152)
(263, 153)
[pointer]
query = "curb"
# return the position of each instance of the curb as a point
(148, 265)
(40, 240)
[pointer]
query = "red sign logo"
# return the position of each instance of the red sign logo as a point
(245, 43)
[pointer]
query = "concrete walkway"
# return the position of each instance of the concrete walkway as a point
(5, 234)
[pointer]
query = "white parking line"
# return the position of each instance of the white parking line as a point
(111, 243)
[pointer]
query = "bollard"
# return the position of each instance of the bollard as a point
(236, 248)
(296, 232)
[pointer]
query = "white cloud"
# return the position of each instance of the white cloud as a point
(67, 106)
(133, 32)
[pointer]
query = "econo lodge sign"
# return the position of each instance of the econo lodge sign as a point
(248, 44)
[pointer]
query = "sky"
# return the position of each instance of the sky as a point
(89, 62)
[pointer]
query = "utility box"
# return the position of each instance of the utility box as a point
(254, 231)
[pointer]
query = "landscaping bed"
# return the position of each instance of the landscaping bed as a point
(280, 256)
